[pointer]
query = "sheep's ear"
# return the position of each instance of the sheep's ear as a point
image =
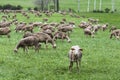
(72, 48)
(81, 49)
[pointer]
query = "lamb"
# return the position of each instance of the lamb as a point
(5, 31)
(61, 35)
(27, 42)
(75, 55)
(115, 33)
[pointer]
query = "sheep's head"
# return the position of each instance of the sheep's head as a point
(15, 50)
(76, 49)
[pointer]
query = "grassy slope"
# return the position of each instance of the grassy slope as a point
(100, 56)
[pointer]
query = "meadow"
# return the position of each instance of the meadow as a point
(100, 59)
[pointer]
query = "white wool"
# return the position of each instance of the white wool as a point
(76, 51)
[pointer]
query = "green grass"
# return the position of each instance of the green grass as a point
(100, 55)
(100, 59)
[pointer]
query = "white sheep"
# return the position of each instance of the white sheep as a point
(75, 55)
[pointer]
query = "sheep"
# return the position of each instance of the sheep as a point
(88, 31)
(28, 28)
(20, 26)
(93, 21)
(5, 31)
(104, 27)
(84, 24)
(5, 24)
(61, 35)
(66, 28)
(27, 42)
(27, 34)
(49, 32)
(45, 38)
(115, 33)
(42, 38)
(75, 55)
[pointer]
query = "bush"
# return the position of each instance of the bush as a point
(1, 7)
(10, 7)
(19, 7)
(35, 8)
(29, 9)
(7, 6)
(107, 10)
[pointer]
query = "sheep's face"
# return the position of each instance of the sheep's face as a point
(76, 49)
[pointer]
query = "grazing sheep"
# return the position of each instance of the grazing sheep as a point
(61, 35)
(88, 31)
(27, 34)
(5, 31)
(84, 24)
(115, 33)
(93, 21)
(20, 26)
(45, 38)
(42, 38)
(75, 55)
(49, 32)
(104, 27)
(28, 28)
(66, 28)
(27, 42)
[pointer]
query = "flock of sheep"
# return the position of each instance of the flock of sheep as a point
(49, 32)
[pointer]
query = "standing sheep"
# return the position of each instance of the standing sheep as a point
(75, 55)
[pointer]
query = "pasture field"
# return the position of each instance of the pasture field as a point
(100, 56)
(100, 61)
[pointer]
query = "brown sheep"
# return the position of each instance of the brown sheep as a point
(75, 55)
(88, 31)
(42, 38)
(27, 42)
(27, 34)
(61, 35)
(20, 26)
(115, 33)
(104, 27)
(66, 29)
(5, 31)
(45, 38)
(28, 28)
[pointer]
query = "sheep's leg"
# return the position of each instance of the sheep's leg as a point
(68, 39)
(8, 36)
(46, 43)
(77, 64)
(70, 66)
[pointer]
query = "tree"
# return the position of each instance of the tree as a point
(88, 9)
(94, 4)
(100, 7)
(112, 2)
(44, 4)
